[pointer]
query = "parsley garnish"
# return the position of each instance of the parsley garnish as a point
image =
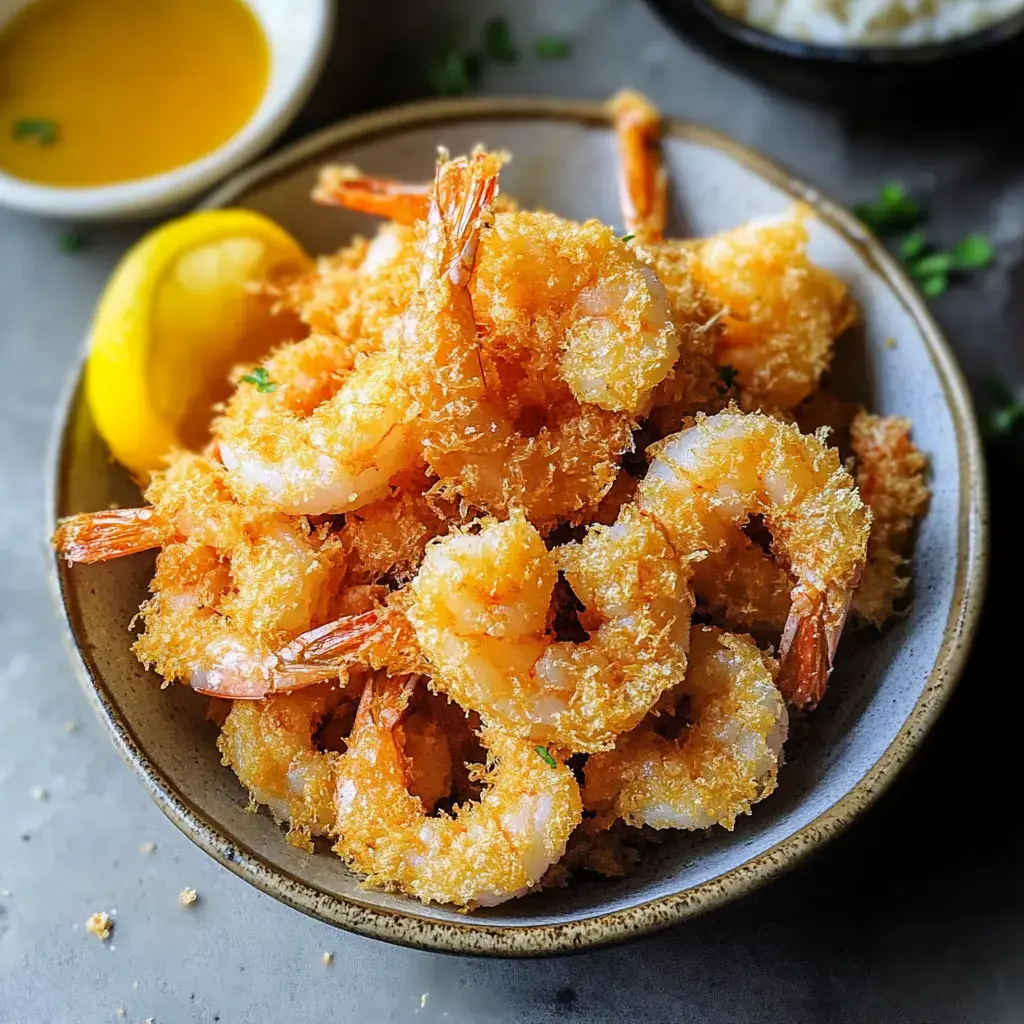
(498, 45)
(913, 245)
(454, 74)
(546, 756)
(629, 237)
(891, 210)
(1006, 414)
(552, 48)
(72, 241)
(975, 252)
(259, 377)
(43, 129)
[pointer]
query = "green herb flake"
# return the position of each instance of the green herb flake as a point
(260, 377)
(629, 237)
(1007, 412)
(552, 48)
(455, 74)
(546, 756)
(72, 241)
(931, 265)
(498, 45)
(891, 210)
(975, 252)
(43, 130)
(913, 245)
(934, 285)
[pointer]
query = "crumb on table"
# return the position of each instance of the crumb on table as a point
(147, 847)
(327, 957)
(100, 925)
(187, 897)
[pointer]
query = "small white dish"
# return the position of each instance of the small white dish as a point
(298, 34)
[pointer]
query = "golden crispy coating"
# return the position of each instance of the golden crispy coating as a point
(722, 761)
(891, 477)
(782, 313)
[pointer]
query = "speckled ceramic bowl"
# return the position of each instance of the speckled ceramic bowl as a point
(886, 690)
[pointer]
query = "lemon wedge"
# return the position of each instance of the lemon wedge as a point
(177, 313)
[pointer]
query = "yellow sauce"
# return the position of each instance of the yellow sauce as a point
(98, 91)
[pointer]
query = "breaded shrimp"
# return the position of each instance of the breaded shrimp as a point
(724, 759)
(232, 582)
(488, 851)
(479, 606)
(706, 481)
(890, 474)
(269, 746)
(344, 454)
(781, 312)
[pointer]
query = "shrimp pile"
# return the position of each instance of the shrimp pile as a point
(522, 551)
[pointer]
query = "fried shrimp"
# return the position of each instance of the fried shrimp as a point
(270, 747)
(706, 481)
(582, 298)
(488, 851)
(344, 453)
(890, 474)
(479, 606)
(232, 582)
(781, 312)
(724, 759)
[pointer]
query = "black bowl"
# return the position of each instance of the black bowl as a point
(983, 68)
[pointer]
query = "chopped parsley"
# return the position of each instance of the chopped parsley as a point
(546, 756)
(913, 245)
(629, 237)
(1007, 412)
(44, 130)
(975, 252)
(455, 74)
(72, 241)
(260, 377)
(552, 47)
(498, 45)
(891, 210)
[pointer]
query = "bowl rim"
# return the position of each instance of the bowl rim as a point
(854, 55)
(138, 197)
(478, 936)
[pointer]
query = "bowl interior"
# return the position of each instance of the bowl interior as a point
(566, 163)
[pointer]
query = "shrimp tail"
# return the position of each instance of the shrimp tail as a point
(808, 647)
(332, 644)
(346, 186)
(643, 180)
(114, 533)
(381, 638)
(464, 191)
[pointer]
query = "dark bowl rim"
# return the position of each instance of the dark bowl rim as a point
(481, 937)
(852, 56)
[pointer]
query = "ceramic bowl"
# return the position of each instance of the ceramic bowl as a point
(297, 33)
(887, 688)
(927, 80)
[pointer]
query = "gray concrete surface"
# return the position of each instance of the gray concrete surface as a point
(917, 914)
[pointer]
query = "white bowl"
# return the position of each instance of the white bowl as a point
(298, 33)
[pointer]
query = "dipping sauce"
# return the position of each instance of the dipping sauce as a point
(98, 91)
(870, 22)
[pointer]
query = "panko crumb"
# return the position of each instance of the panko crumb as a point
(40, 793)
(187, 897)
(100, 925)
(423, 999)
(71, 726)
(120, 1010)
(147, 847)
(328, 958)
(890, 342)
